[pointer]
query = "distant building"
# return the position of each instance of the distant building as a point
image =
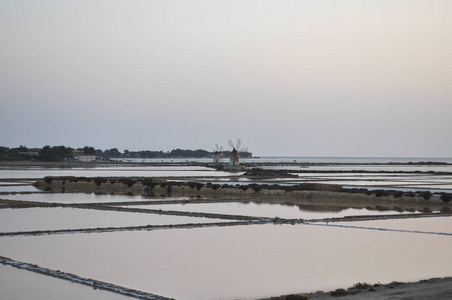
(86, 158)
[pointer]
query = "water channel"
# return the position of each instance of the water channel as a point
(248, 261)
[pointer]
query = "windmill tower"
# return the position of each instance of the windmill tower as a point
(235, 157)
(217, 154)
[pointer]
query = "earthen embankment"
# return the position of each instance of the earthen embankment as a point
(301, 194)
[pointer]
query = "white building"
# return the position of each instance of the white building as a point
(86, 158)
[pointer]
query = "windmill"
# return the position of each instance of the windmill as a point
(235, 157)
(217, 154)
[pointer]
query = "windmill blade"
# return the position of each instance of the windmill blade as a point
(216, 145)
(221, 149)
(231, 144)
(239, 142)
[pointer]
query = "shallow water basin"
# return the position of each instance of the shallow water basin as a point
(266, 210)
(31, 219)
(244, 262)
(429, 224)
(22, 284)
(69, 198)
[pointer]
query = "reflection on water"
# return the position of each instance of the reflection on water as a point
(18, 188)
(31, 219)
(69, 198)
(357, 177)
(268, 210)
(245, 262)
(20, 284)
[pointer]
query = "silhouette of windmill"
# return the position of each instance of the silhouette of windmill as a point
(217, 154)
(235, 157)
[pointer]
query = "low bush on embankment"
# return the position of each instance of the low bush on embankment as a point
(161, 187)
(426, 195)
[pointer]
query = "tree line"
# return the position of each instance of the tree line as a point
(63, 153)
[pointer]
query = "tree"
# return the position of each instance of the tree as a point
(23, 148)
(56, 153)
(89, 150)
(113, 152)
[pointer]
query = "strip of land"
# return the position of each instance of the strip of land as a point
(429, 289)
(96, 284)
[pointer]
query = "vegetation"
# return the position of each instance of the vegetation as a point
(297, 297)
(446, 197)
(63, 153)
(56, 153)
(396, 194)
(19, 153)
(339, 293)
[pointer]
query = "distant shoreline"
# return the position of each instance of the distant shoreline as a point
(188, 161)
(72, 164)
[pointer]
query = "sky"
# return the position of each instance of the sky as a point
(317, 78)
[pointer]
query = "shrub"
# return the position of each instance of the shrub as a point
(398, 209)
(354, 190)
(99, 180)
(255, 187)
(426, 210)
(339, 293)
(426, 195)
(398, 194)
(297, 297)
(446, 210)
(381, 208)
(129, 182)
(361, 286)
(380, 193)
(446, 197)
(244, 187)
(148, 182)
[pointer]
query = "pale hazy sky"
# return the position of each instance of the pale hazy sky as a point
(302, 78)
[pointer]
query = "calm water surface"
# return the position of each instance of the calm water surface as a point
(172, 171)
(267, 210)
(18, 188)
(245, 262)
(30, 219)
(437, 224)
(21, 284)
(399, 180)
(70, 198)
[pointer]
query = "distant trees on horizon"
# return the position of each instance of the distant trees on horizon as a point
(62, 153)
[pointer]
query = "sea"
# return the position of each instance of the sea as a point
(303, 159)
